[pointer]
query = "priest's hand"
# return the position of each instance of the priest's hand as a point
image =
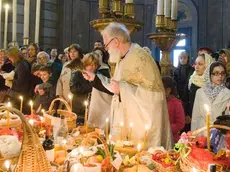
(88, 75)
(228, 106)
(115, 87)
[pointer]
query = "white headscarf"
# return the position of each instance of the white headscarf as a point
(200, 80)
(210, 89)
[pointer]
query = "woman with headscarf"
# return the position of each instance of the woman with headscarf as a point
(196, 81)
(224, 57)
(33, 50)
(214, 94)
(182, 74)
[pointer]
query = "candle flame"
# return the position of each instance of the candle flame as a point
(139, 147)
(7, 164)
(121, 124)
(20, 97)
(7, 6)
(70, 96)
(43, 111)
(64, 142)
(147, 127)
(107, 120)
(110, 137)
(86, 103)
(206, 108)
(131, 124)
(31, 121)
(194, 169)
(9, 104)
(31, 103)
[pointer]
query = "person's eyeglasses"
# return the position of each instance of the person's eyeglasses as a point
(219, 74)
(109, 42)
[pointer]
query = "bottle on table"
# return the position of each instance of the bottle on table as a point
(48, 145)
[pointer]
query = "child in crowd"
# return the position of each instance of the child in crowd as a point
(45, 92)
(175, 107)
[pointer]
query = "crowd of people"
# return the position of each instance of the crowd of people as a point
(168, 105)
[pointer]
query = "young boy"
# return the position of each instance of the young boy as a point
(45, 92)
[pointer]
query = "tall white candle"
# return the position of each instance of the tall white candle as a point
(128, 1)
(160, 7)
(174, 9)
(167, 7)
(0, 23)
(37, 23)
(14, 23)
(6, 25)
(26, 21)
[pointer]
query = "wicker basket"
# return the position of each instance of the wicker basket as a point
(109, 168)
(69, 115)
(186, 164)
(32, 157)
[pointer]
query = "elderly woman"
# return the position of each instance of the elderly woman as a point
(44, 59)
(21, 81)
(214, 94)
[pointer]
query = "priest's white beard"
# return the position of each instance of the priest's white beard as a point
(114, 55)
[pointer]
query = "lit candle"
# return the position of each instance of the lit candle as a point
(31, 107)
(70, 96)
(7, 165)
(8, 115)
(160, 7)
(107, 128)
(86, 116)
(131, 130)
(145, 137)
(208, 125)
(21, 103)
(138, 154)
(121, 126)
(174, 9)
(167, 7)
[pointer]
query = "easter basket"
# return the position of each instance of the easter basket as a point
(189, 162)
(32, 157)
(164, 167)
(69, 115)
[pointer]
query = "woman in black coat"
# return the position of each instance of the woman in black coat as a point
(21, 82)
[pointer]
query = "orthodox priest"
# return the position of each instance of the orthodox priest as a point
(139, 96)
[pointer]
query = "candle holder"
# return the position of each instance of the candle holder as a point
(160, 22)
(104, 8)
(129, 10)
(166, 38)
(25, 41)
(117, 8)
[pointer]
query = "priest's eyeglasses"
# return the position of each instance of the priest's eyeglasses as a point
(106, 46)
(219, 74)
